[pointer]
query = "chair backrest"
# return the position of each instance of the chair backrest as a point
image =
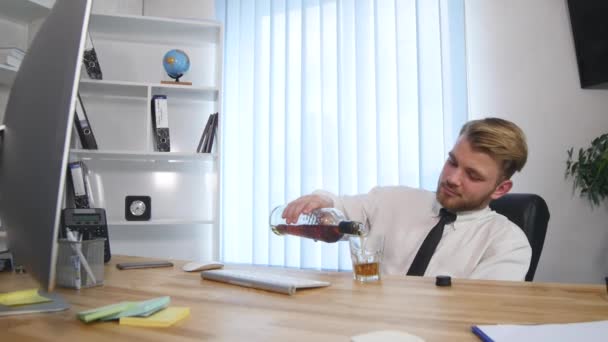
(531, 214)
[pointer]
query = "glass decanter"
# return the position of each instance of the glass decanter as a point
(325, 224)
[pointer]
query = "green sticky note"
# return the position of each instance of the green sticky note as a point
(104, 311)
(23, 297)
(142, 309)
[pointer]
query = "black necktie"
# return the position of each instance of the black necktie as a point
(421, 261)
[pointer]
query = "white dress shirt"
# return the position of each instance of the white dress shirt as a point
(480, 244)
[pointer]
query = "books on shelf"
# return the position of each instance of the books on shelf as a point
(11, 56)
(205, 145)
(204, 135)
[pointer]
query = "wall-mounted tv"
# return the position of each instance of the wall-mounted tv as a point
(589, 20)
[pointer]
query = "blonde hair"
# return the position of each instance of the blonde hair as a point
(503, 140)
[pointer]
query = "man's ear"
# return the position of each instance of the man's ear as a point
(502, 188)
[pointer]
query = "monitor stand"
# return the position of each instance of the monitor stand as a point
(58, 304)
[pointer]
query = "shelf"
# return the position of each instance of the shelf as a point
(113, 88)
(186, 92)
(143, 29)
(136, 89)
(7, 74)
(143, 156)
(160, 222)
(24, 10)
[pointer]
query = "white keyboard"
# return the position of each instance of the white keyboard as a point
(262, 280)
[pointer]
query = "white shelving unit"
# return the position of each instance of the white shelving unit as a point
(142, 156)
(183, 184)
(24, 11)
(18, 20)
(154, 30)
(135, 89)
(161, 223)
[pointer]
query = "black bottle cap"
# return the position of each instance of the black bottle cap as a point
(443, 280)
(348, 227)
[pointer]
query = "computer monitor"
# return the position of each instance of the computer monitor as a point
(35, 147)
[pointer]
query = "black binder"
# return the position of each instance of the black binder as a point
(211, 136)
(201, 142)
(78, 183)
(90, 60)
(206, 143)
(83, 126)
(160, 123)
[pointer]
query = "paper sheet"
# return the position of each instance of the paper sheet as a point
(586, 331)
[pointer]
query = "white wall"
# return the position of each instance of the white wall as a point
(131, 7)
(189, 9)
(522, 67)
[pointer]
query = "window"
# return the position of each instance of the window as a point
(340, 95)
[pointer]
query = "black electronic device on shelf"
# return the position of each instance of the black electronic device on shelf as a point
(90, 222)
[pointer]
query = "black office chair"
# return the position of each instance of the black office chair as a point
(531, 214)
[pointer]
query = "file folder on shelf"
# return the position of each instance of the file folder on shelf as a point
(211, 136)
(83, 126)
(161, 123)
(90, 60)
(206, 143)
(201, 142)
(79, 186)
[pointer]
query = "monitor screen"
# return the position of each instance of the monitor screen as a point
(589, 21)
(34, 152)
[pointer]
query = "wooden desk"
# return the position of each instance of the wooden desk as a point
(223, 312)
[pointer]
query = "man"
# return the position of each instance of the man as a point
(476, 242)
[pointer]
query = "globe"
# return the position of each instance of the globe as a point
(176, 63)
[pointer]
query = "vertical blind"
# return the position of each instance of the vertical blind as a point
(340, 95)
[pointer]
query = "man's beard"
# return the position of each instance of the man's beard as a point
(458, 204)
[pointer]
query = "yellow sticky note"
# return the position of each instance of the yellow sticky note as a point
(161, 319)
(22, 297)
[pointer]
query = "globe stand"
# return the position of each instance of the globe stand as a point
(176, 80)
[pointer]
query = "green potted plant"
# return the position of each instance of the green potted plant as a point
(590, 170)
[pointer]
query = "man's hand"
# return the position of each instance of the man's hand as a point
(305, 204)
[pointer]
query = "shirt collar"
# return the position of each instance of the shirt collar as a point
(462, 216)
(470, 215)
